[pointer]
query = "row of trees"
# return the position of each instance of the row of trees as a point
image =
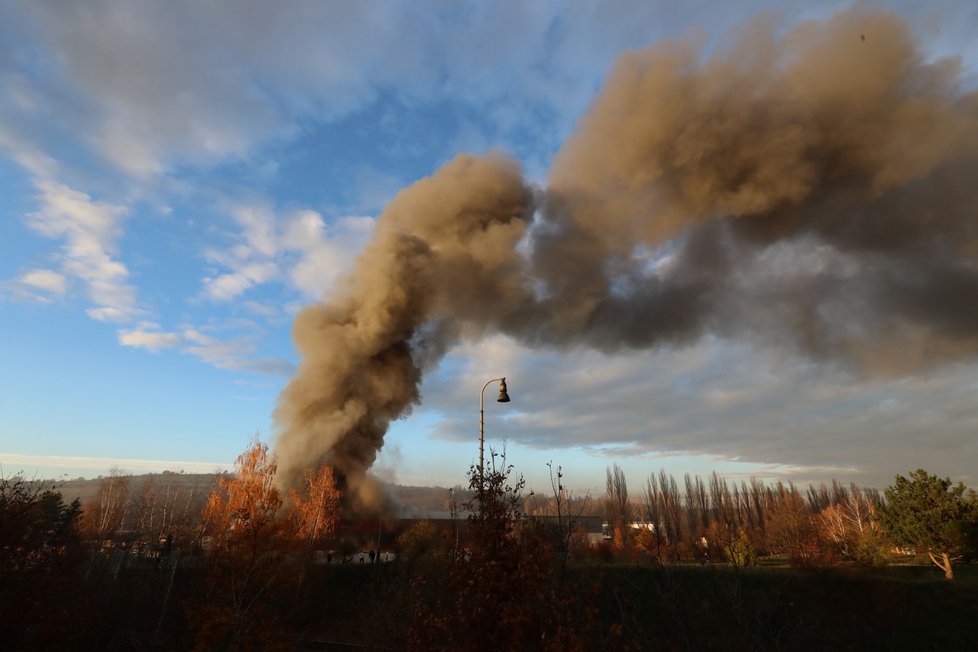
(246, 577)
(510, 586)
(126, 510)
(146, 509)
(717, 519)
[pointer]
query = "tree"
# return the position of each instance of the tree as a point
(40, 553)
(617, 509)
(926, 512)
(244, 504)
(315, 510)
(244, 554)
(504, 590)
(418, 540)
(107, 515)
(791, 527)
(851, 526)
(559, 518)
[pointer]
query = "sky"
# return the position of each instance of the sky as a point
(177, 180)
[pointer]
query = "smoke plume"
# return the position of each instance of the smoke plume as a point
(813, 189)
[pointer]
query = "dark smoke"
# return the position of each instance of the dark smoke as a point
(814, 190)
(442, 254)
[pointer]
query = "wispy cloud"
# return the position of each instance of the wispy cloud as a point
(45, 280)
(229, 286)
(151, 340)
(236, 354)
(89, 231)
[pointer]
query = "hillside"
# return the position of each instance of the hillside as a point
(412, 499)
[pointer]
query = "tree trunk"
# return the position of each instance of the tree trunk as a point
(948, 571)
(944, 563)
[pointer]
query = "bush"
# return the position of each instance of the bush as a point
(741, 552)
(40, 558)
(871, 549)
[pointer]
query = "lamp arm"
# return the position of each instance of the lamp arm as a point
(482, 457)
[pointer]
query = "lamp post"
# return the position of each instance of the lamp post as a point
(503, 398)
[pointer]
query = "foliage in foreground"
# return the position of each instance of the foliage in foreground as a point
(40, 556)
(507, 589)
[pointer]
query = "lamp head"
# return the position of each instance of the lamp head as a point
(503, 396)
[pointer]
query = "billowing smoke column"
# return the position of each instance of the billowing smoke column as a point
(816, 190)
(442, 254)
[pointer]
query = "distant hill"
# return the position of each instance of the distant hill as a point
(415, 501)
(86, 488)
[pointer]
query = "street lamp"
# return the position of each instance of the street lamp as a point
(503, 398)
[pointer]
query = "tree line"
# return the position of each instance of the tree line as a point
(237, 564)
(715, 519)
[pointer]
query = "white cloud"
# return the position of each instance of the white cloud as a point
(108, 314)
(44, 279)
(236, 354)
(89, 231)
(323, 252)
(150, 340)
(71, 214)
(297, 247)
(258, 228)
(226, 287)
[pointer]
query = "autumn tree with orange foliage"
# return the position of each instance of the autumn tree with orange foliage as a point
(791, 528)
(315, 509)
(244, 554)
(243, 506)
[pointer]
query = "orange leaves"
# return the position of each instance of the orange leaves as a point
(315, 509)
(247, 501)
(248, 504)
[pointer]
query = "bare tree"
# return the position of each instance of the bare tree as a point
(655, 514)
(108, 513)
(617, 509)
(672, 513)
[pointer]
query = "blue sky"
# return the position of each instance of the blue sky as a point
(177, 181)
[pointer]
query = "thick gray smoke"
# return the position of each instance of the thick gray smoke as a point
(814, 189)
